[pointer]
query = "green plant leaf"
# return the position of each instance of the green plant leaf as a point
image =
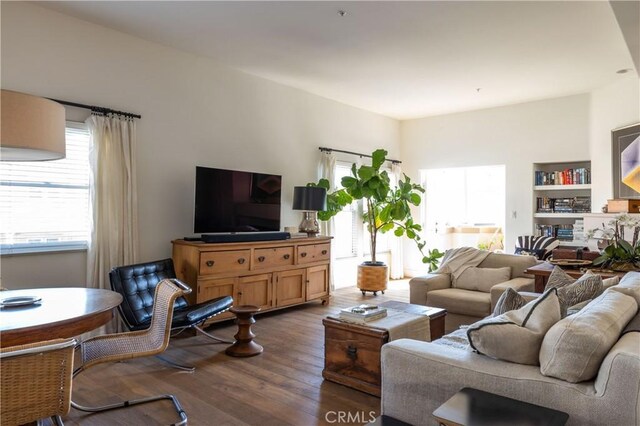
(374, 182)
(385, 213)
(415, 199)
(600, 260)
(399, 232)
(411, 234)
(365, 173)
(386, 227)
(625, 246)
(322, 183)
(349, 182)
(378, 157)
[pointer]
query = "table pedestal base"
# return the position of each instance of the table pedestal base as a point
(244, 345)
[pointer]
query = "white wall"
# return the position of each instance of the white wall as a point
(194, 112)
(516, 136)
(614, 106)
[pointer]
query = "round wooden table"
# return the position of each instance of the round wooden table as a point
(62, 313)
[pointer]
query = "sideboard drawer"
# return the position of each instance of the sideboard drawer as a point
(314, 253)
(272, 257)
(214, 262)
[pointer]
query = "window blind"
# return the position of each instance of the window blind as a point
(44, 205)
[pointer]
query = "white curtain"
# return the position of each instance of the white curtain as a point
(396, 269)
(114, 228)
(326, 170)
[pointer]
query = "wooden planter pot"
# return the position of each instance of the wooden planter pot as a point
(372, 277)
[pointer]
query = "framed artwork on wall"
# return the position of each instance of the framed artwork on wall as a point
(626, 162)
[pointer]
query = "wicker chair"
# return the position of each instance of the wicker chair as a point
(135, 344)
(36, 381)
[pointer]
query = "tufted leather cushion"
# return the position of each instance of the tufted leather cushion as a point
(195, 314)
(137, 285)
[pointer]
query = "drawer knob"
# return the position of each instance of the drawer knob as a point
(261, 259)
(241, 260)
(303, 254)
(210, 263)
(324, 252)
(286, 256)
(352, 352)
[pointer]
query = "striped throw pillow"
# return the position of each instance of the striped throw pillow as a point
(509, 300)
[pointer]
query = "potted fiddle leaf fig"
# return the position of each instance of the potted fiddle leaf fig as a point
(386, 209)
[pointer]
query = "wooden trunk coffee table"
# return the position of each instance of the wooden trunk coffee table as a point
(352, 351)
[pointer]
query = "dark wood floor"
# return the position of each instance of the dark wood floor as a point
(283, 386)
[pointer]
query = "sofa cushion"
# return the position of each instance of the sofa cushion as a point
(482, 279)
(459, 301)
(516, 336)
(509, 301)
(573, 349)
(630, 285)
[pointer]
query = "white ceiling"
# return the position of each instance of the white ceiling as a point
(399, 59)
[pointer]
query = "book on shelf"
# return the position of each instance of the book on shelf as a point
(563, 205)
(578, 176)
(363, 313)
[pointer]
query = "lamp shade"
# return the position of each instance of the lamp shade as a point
(32, 128)
(310, 198)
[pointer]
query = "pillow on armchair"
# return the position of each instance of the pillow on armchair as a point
(540, 247)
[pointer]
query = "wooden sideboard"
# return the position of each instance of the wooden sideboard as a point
(267, 274)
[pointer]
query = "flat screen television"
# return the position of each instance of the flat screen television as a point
(236, 201)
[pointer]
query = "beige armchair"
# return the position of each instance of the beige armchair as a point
(468, 306)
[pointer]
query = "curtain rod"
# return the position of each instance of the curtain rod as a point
(323, 149)
(93, 108)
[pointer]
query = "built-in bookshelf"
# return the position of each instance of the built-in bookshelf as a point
(561, 198)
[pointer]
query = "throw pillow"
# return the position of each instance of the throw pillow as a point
(482, 279)
(573, 349)
(509, 301)
(516, 336)
(584, 288)
(558, 278)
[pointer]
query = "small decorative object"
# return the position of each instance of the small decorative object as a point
(310, 200)
(618, 254)
(605, 209)
(386, 209)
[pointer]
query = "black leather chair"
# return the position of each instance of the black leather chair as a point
(137, 284)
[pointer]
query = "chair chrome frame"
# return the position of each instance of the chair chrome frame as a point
(135, 344)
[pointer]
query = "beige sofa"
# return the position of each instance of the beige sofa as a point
(467, 306)
(417, 377)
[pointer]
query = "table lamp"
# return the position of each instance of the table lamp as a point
(311, 200)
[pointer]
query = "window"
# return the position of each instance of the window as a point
(44, 205)
(347, 221)
(461, 201)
